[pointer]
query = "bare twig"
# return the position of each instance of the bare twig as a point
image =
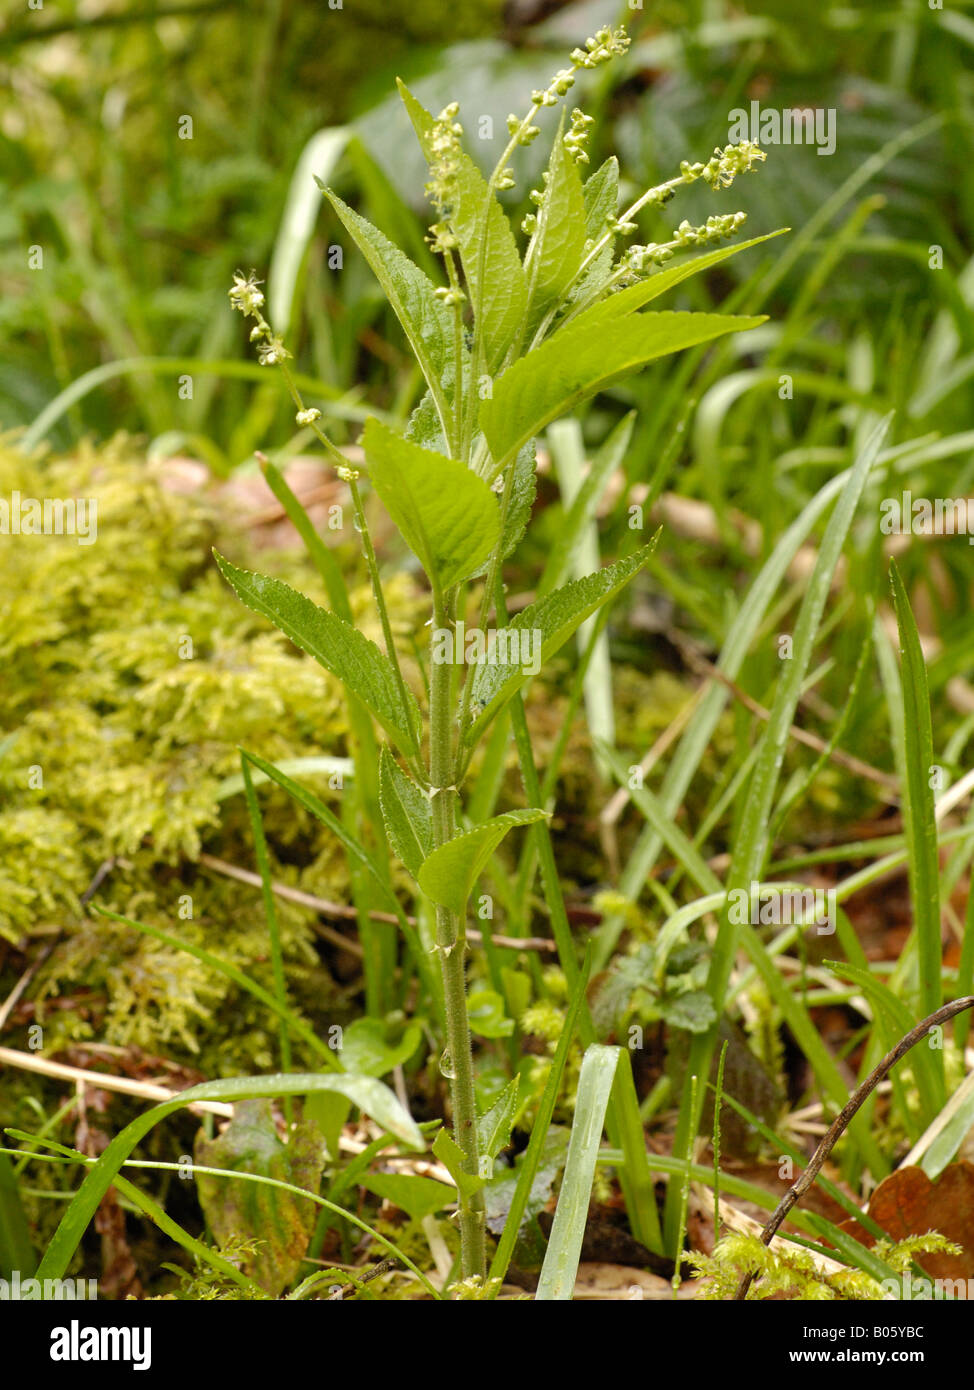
(841, 1121)
(144, 1090)
(349, 913)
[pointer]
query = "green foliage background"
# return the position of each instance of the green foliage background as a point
(140, 232)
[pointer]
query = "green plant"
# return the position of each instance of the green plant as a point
(509, 343)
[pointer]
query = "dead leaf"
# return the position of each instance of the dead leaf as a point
(279, 1220)
(908, 1203)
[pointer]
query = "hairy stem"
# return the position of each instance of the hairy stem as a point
(451, 942)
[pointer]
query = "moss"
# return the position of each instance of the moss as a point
(131, 675)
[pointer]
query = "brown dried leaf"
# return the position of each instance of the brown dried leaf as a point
(908, 1203)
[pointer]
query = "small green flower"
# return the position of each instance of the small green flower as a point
(272, 351)
(441, 237)
(607, 43)
(577, 137)
(724, 165)
(450, 296)
(245, 294)
(445, 149)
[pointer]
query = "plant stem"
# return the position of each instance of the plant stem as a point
(451, 942)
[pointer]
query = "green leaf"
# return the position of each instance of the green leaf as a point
(406, 813)
(627, 301)
(556, 248)
(505, 1213)
(945, 1146)
(555, 617)
(369, 1095)
(312, 766)
(448, 516)
(423, 426)
(16, 1251)
(320, 156)
(894, 1019)
(750, 848)
(583, 506)
(495, 1125)
(416, 1196)
(692, 1010)
(577, 362)
(427, 323)
(366, 1050)
(601, 194)
(524, 486)
(511, 1199)
(335, 645)
(330, 1113)
(605, 1070)
(281, 1222)
(517, 990)
(450, 872)
(595, 1083)
(483, 233)
(919, 817)
(485, 1014)
(450, 1154)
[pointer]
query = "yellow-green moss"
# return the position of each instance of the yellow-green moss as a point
(114, 741)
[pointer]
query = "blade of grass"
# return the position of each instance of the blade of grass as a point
(697, 736)
(319, 158)
(595, 1082)
(965, 972)
(270, 912)
(335, 403)
(918, 812)
(794, 1013)
(898, 1020)
(16, 1250)
(751, 847)
(546, 1108)
(205, 1252)
(582, 557)
(368, 1094)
